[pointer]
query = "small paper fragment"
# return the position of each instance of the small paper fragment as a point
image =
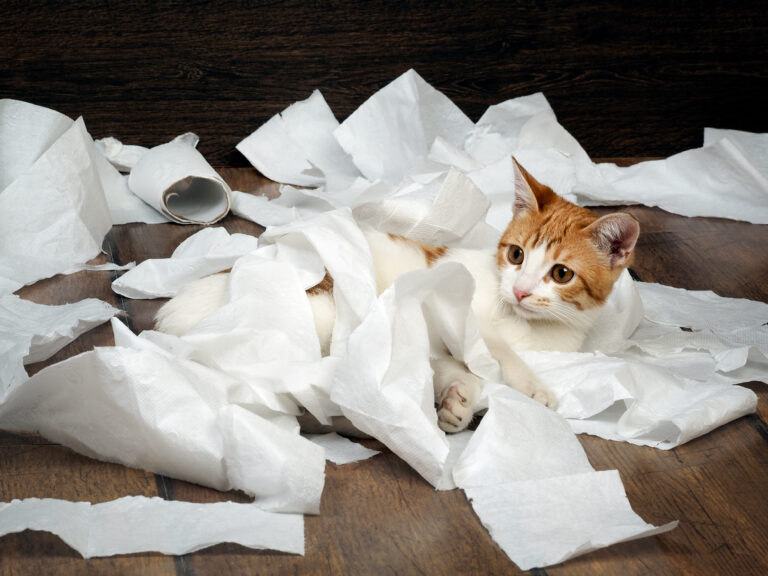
(136, 524)
(340, 450)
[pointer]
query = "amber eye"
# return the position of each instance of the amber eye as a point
(561, 274)
(515, 254)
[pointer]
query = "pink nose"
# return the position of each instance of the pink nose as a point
(520, 294)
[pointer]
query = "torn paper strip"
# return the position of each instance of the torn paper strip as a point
(31, 332)
(716, 180)
(206, 252)
(26, 132)
(136, 524)
(176, 180)
(290, 206)
(637, 401)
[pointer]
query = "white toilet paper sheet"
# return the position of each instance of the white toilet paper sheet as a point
(137, 524)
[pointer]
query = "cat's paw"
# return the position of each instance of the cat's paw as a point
(455, 411)
(545, 396)
(533, 388)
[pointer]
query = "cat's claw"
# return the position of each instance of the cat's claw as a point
(455, 412)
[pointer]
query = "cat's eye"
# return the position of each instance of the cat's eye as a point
(561, 274)
(515, 254)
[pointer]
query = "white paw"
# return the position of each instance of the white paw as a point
(455, 411)
(545, 396)
(533, 388)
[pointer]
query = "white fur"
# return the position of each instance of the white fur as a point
(193, 303)
(393, 257)
(324, 314)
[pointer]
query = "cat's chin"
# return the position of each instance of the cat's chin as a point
(527, 313)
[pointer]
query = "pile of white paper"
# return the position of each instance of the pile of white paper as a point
(219, 405)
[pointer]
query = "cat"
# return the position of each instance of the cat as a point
(541, 288)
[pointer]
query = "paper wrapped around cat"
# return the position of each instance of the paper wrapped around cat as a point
(542, 289)
(177, 181)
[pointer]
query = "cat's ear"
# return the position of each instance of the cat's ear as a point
(616, 234)
(530, 194)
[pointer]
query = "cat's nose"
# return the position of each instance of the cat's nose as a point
(520, 294)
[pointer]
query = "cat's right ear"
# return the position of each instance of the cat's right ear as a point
(525, 198)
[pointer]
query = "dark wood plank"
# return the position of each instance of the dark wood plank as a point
(627, 79)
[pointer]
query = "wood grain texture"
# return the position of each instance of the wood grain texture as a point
(626, 79)
(379, 516)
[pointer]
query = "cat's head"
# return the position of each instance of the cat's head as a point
(557, 260)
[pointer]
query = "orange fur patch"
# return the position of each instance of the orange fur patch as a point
(431, 253)
(325, 285)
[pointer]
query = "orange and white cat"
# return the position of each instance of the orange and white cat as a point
(541, 289)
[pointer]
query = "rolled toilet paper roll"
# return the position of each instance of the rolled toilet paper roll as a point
(176, 180)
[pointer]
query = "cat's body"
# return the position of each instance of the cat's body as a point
(542, 289)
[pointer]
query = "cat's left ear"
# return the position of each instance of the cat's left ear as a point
(616, 234)
(525, 198)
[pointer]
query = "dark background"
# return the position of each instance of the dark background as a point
(634, 79)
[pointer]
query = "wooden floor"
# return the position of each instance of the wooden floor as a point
(379, 516)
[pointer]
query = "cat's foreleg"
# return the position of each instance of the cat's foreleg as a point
(519, 375)
(457, 391)
(193, 303)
